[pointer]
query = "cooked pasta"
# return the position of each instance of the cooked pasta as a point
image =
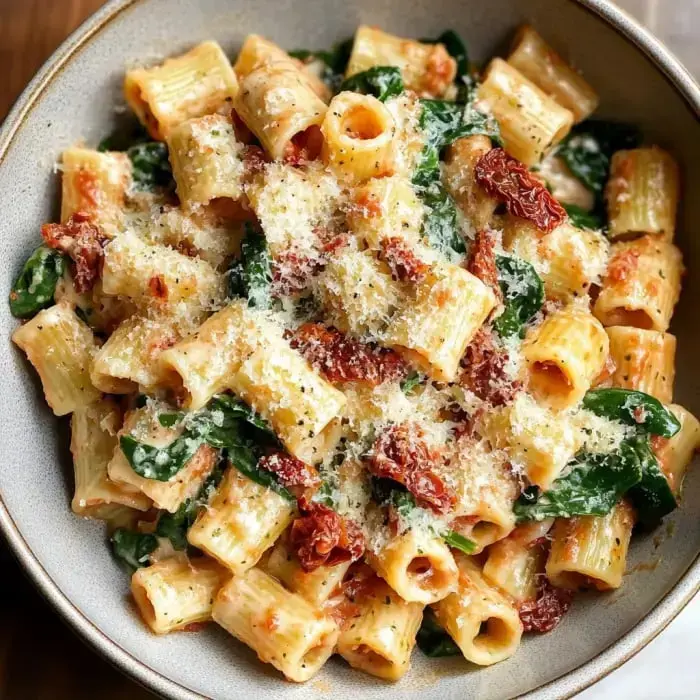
(363, 331)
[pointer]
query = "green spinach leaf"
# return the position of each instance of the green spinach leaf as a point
(634, 408)
(35, 287)
(523, 295)
(251, 276)
(589, 147)
(593, 486)
(160, 463)
(432, 639)
(584, 219)
(381, 82)
(652, 496)
(150, 165)
(133, 548)
(441, 222)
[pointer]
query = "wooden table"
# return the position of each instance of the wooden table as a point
(40, 658)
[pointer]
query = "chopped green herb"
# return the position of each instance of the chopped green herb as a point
(411, 382)
(463, 544)
(35, 287)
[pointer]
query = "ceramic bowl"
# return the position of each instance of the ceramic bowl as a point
(74, 97)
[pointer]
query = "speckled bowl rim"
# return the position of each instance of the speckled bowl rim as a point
(565, 686)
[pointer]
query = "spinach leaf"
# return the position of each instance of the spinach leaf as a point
(588, 149)
(584, 219)
(170, 420)
(594, 484)
(150, 165)
(523, 295)
(634, 408)
(443, 123)
(160, 463)
(381, 82)
(225, 423)
(441, 223)
(411, 382)
(455, 47)
(251, 276)
(133, 548)
(334, 61)
(432, 639)
(35, 286)
(463, 544)
(128, 132)
(652, 496)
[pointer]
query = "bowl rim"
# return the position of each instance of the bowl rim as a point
(566, 685)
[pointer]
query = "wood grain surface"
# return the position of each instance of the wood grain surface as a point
(40, 657)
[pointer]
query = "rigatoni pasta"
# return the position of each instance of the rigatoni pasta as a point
(349, 339)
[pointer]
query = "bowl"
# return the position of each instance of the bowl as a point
(74, 97)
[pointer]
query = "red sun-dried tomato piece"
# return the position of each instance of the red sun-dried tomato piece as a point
(343, 359)
(511, 182)
(289, 470)
(158, 287)
(254, 160)
(400, 453)
(402, 261)
(484, 371)
(482, 261)
(545, 612)
(83, 242)
(322, 537)
(304, 146)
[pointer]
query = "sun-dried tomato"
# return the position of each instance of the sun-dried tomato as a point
(400, 453)
(322, 537)
(83, 241)
(343, 359)
(402, 261)
(289, 470)
(510, 181)
(291, 272)
(482, 261)
(545, 612)
(484, 370)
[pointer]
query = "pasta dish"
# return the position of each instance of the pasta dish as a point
(364, 348)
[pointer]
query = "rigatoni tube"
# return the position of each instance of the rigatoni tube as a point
(358, 132)
(177, 592)
(531, 122)
(538, 62)
(281, 627)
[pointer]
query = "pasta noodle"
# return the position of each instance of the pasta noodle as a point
(362, 332)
